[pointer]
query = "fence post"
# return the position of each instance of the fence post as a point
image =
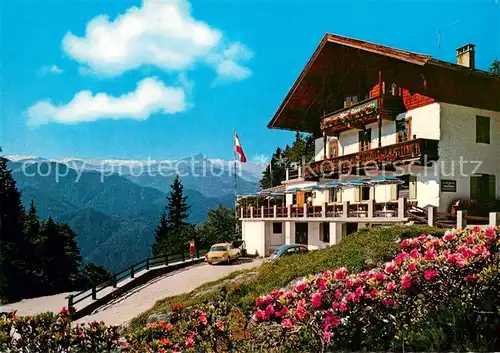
(305, 210)
(289, 211)
(431, 215)
(241, 212)
(345, 209)
(115, 281)
(275, 211)
(262, 211)
(323, 210)
(494, 219)
(70, 302)
(461, 220)
(132, 271)
(401, 207)
(251, 211)
(94, 294)
(147, 264)
(166, 260)
(370, 209)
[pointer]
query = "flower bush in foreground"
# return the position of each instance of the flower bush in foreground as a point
(51, 332)
(390, 305)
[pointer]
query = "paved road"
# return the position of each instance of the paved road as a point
(139, 299)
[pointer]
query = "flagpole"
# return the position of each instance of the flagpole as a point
(235, 183)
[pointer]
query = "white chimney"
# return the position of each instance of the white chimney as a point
(466, 56)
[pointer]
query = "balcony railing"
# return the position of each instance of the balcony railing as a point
(363, 113)
(370, 210)
(419, 150)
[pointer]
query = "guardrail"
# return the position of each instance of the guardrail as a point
(130, 272)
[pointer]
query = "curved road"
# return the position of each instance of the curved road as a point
(140, 299)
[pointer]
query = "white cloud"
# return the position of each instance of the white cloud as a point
(163, 34)
(53, 69)
(151, 96)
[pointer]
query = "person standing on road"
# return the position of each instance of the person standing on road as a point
(192, 249)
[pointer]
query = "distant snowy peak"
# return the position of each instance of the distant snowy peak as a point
(250, 171)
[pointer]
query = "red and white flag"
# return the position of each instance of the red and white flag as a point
(238, 149)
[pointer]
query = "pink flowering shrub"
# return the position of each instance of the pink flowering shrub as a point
(51, 332)
(202, 329)
(417, 294)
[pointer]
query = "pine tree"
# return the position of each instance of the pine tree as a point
(219, 226)
(177, 208)
(173, 227)
(54, 252)
(495, 67)
(14, 267)
(72, 259)
(32, 229)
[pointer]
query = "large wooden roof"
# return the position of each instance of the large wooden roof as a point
(333, 67)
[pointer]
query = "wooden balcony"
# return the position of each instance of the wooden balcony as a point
(420, 151)
(370, 211)
(362, 113)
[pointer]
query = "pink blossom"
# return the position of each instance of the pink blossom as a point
(406, 281)
(470, 239)
(490, 233)
(340, 274)
(316, 300)
(269, 310)
(388, 302)
(476, 229)
(327, 336)
(64, 311)
(412, 267)
(331, 320)
(321, 283)
(449, 236)
(400, 258)
(286, 323)
(430, 274)
(301, 287)
(415, 254)
(390, 268)
(470, 277)
(220, 325)
(430, 254)
(301, 312)
(338, 294)
(379, 276)
(405, 243)
(327, 274)
(390, 287)
(360, 292)
(456, 259)
(260, 315)
(349, 297)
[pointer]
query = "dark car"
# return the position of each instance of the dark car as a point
(290, 249)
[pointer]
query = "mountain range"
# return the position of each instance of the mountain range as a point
(114, 206)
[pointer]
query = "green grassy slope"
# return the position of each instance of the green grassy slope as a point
(365, 248)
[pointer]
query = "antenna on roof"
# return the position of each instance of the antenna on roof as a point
(438, 32)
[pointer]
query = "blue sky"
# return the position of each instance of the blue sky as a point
(170, 86)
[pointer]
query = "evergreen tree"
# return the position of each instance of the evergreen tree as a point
(14, 268)
(72, 259)
(32, 230)
(495, 67)
(275, 172)
(219, 227)
(54, 252)
(177, 208)
(173, 227)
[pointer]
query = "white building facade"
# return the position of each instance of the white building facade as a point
(407, 143)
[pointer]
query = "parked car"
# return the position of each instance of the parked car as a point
(290, 249)
(222, 252)
(241, 246)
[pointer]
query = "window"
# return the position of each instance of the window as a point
(335, 195)
(365, 192)
(365, 139)
(482, 129)
(403, 130)
(324, 232)
(294, 199)
(333, 147)
(408, 189)
(390, 88)
(482, 187)
(350, 100)
(277, 228)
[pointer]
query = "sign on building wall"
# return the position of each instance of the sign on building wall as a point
(448, 186)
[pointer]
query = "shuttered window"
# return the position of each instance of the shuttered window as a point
(365, 139)
(482, 129)
(482, 187)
